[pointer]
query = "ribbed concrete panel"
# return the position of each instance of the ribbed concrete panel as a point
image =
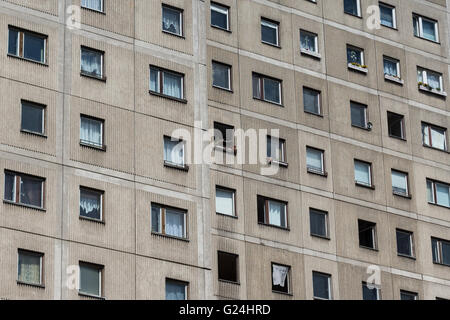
(47, 6)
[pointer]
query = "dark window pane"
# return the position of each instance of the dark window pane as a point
(269, 32)
(386, 14)
(89, 280)
(366, 234)
(91, 62)
(404, 243)
(13, 45)
(90, 204)
(156, 216)
(9, 186)
(321, 285)
(171, 20)
(369, 294)
(311, 100)
(435, 249)
(29, 267)
(227, 265)
(31, 191)
(446, 253)
(358, 114)
(221, 75)
(32, 118)
(351, 6)
(175, 290)
(395, 125)
(34, 48)
(408, 296)
(354, 55)
(272, 90)
(256, 87)
(223, 134)
(318, 223)
(219, 16)
(261, 209)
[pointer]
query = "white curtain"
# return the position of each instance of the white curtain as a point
(90, 204)
(438, 138)
(90, 131)
(433, 80)
(279, 275)
(174, 151)
(171, 21)
(362, 173)
(174, 223)
(154, 85)
(172, 85)
(29, 268)
(276, 213)
(314, 159)
(92, 4)
(399, 182)
(91, 62)
(224, 202)
(390, 68)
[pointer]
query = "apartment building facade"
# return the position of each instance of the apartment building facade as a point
(100, 200)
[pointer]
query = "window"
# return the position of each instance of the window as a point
(355, 58)
(425, 28)
(387, 15)
(27, 44)
(228, 266)
(399, 183)
(441, 251)
(272, 212)
(318, 221)
(91, 279)
(407, 295)
(311, 101)
(281, 278)
(352, 7)
(91, 204)
(96, 5)
(92, 62)
(91, 132)
(429, 79)
(315, 161)
(172, 20)
(29, 269)
(169, 221)
(224, 136)
(221, 75)
(438, 193)
(391, 68)
(359, 115)
(225, 201)
(276, 150)
(24, 189)
(396, 125)
(33, 118)
(267, 89)
(321, 286)
(174, 152)
(166, 83)
(176, 290)
(405, 243)
(371, 292)
(363, 173)
(269, 32)
(220, 16)
(434, 136)
(367, 234)
(309, 42)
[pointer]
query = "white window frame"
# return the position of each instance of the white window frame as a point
(330, 294)
(434, 190)
(425, 73)
(284, 206)
(229, 75)
(101, 7)
(89, 143)
(369, 166)
(327, 227)
(100, 271)
(419, 25)
(267, 23)
(17, 201)
(233, 199)
(180, 12)
(411, 241)
(41, 255)
(397, 62)
(102, 55)
(376, 287)
(316, 41)
(366, 118)
(162, 211)
(183, 143)
(361, 53)
(358, 8)
(322, 155)
(185, 285)
(394, 14)
(319, 106)
(23, 33)
(405, 176)
(223, 10)
(280, 147)
(429, 143)
(261, 79)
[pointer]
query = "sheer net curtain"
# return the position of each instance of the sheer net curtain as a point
(92, 4)
(171, 21)
(30, 268)
(398, 182)
(276, 213)
(279, 275)
(224, 202)
(314, 160)
(174, 223)
(90, 131)
(308, 42)
(362, 174)
(390, 68)
(90, 205)
(91, 62)
(438, 138)
(172, 85)
(174, 151)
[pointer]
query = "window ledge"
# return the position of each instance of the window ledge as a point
(398, 138)
(273, 226)
(169, 236)
(167, 97)
(394, 79)
(29, 60)
(92, 220)
(429, 40)
(402, 195)
(176, 166)
(369, 248)
(358, 184)
(87, 295)
(22, 283)
(226, 215)
(284, 293)
(310, 53)
(271, 44)
(91, 76)
(313, 114)
(320, 237)
(271, 102)
(357, 68)
(438, 205)
(362, 128)
(278, 163)
(24, 206)
(220, 28)
(230, 282)
(31, 133)
(318, 173)
(93, 10)
(223, 89)
(353, 15)
(437, 149)
(427, 89)
(174, 34)
(91, 146)
(406, 256)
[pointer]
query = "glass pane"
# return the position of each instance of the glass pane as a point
(351, 6)
(370, 294)
(277, 214)
(175, 290)
(430, 192)
(9, 186)
(404, 243)
(399, 183)
(219, 16)
(29, 268)
(89, 280)
(173, 151)
(90, 204)
(256, 87)
(435, 249)
(34, 48)
(366, 234)
(314, 159)
(442, 194)
(156, 219)
(308, 41)
(32, 118)
(438, 138)
(272, 90)
(172, 85)
(425, 134)
(13, 42)
(358, 115)
(31, 191)
(221, 75)
(446, 253)
(318, 223)
(311, 100)
(434, 80)
(395, 125)
(269, 32)
(91, 131)
(354, 56)
(171, 20)
(154, 80)
(390, 67)
(224, 202)
(429, 31)
(321, 284)
(92, 4)
(175, 223)
(362, 173)
(407, 296)
(416, 25)
(386, 14)
(91, 62)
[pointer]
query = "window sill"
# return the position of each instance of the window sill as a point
(271, 44)
(87, 295)
(230, 282)
(92, 220)
(362, 128)
(437, 149)
(174, 34)
(223, 89)
(432, 41)
(169, 237)
(24, 205)
(394, 79)
(389, 27)
(313, 114)
(226, 215)
(438, 205)
(441, 264)
(167, 97)
(432, 91)
(176, 166)
(321, 237)
(353, 15)
(284, 293)
(90, 76)
(226, 150)
(26, 284)
(273, 226)
(278, 163)
(271, 102)
(358, 184)
(398, 138)
(406, 256)
(310, 53)
(91, 146)
(31, 133)
(220, 28)
(93, 10)
(402, 195)
(369, 248)
(318, 173)
(357, 68)
(29, 60)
